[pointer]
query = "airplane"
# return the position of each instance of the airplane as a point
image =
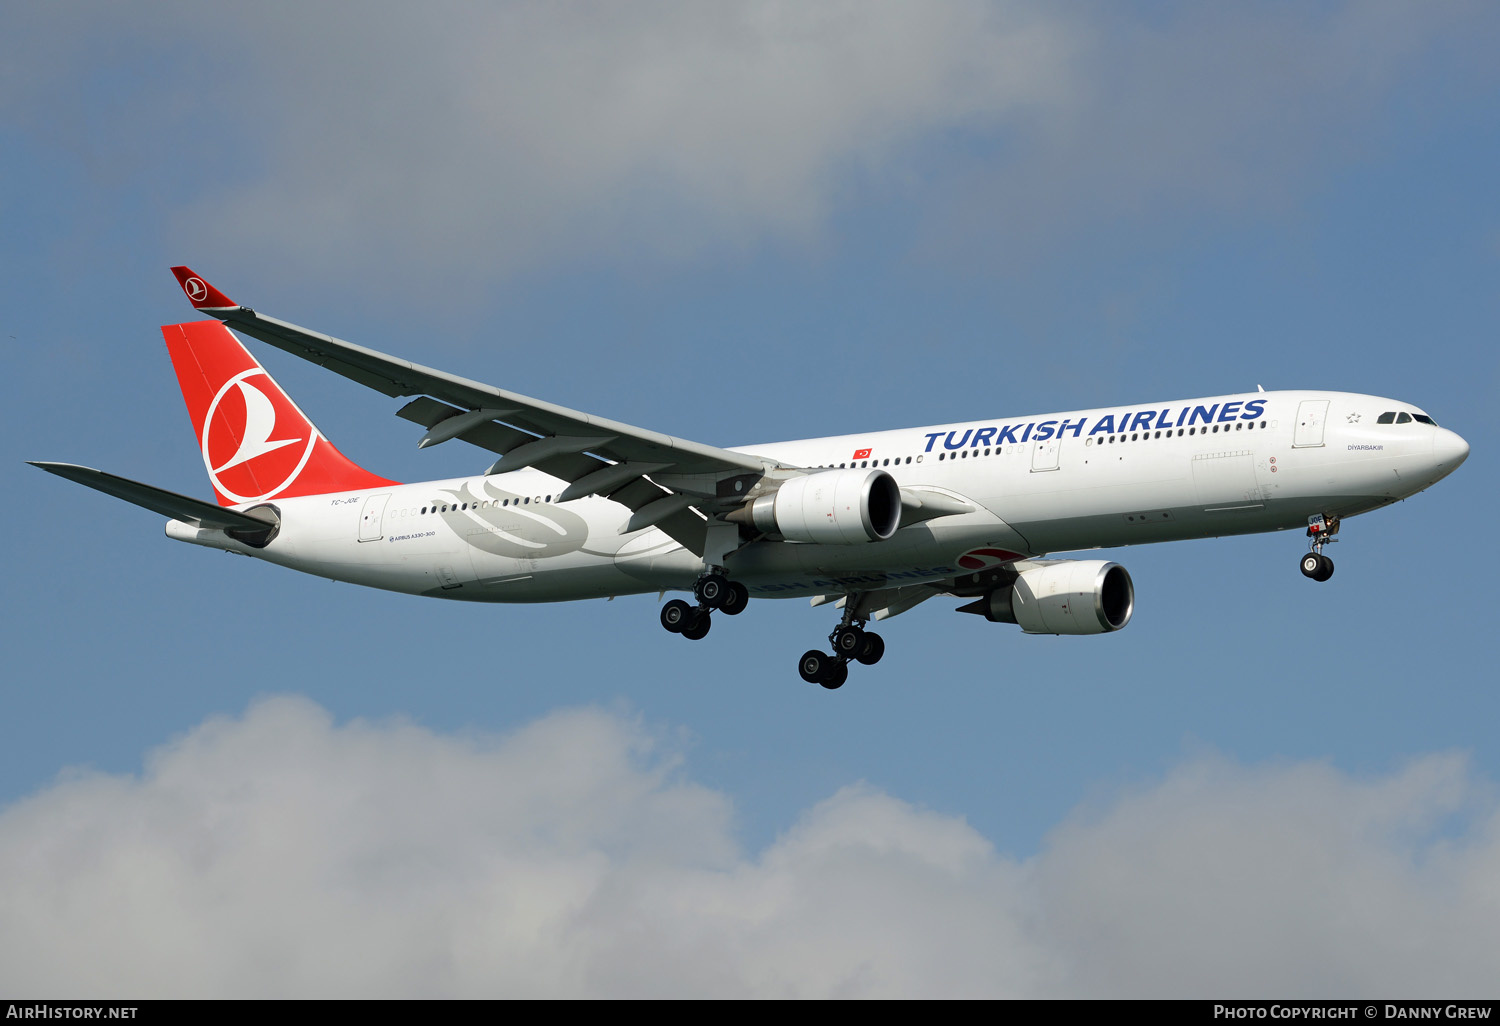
(575, 506)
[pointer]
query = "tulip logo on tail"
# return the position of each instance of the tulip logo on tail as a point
(254, 446)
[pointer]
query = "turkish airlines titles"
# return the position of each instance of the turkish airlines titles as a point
(1109, 424)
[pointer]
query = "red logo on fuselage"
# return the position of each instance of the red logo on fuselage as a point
(862, 454)
(255, 442)
(984, 559)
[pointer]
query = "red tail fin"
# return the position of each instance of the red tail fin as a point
(256, 444)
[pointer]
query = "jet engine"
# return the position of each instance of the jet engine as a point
(834, 507)
(1066, 597)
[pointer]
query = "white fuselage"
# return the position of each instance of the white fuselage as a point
(1236, 464)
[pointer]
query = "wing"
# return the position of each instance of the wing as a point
(666, 482)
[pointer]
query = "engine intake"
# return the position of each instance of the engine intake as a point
(833, 507)
(1067, 597)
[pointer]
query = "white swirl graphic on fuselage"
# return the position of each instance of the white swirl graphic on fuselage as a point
(255, 440)
(514, 531)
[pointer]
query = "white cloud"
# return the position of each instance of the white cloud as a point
(459, 143)
(281, 854)
(519, 135)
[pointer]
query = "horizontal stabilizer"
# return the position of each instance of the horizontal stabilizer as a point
(157, 500)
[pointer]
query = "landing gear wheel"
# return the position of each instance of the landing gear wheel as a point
(838, 672)
(1317, 566)
(676, 615)
(814, 665)
(848, 641)
(698, 629)
(711, 590)
(736, 598)
(872, 649)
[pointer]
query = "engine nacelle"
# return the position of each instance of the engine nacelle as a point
(834, 507)
(1069, 597)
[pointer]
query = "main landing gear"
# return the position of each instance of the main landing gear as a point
(1321, 531)
(850, 641)
(713, 591)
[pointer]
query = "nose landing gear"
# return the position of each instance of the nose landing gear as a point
(1321, 531)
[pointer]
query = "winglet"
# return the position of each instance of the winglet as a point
(200, 293)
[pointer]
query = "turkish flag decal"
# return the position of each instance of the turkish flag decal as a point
(862, 454)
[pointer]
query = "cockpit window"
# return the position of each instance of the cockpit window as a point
(1386, 418)
(1422, 418)
(1403, 418)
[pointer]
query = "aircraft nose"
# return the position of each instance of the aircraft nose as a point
(1449, 449)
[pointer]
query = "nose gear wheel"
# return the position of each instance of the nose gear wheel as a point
(1320, 532)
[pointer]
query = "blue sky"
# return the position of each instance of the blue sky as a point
(741, 224)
